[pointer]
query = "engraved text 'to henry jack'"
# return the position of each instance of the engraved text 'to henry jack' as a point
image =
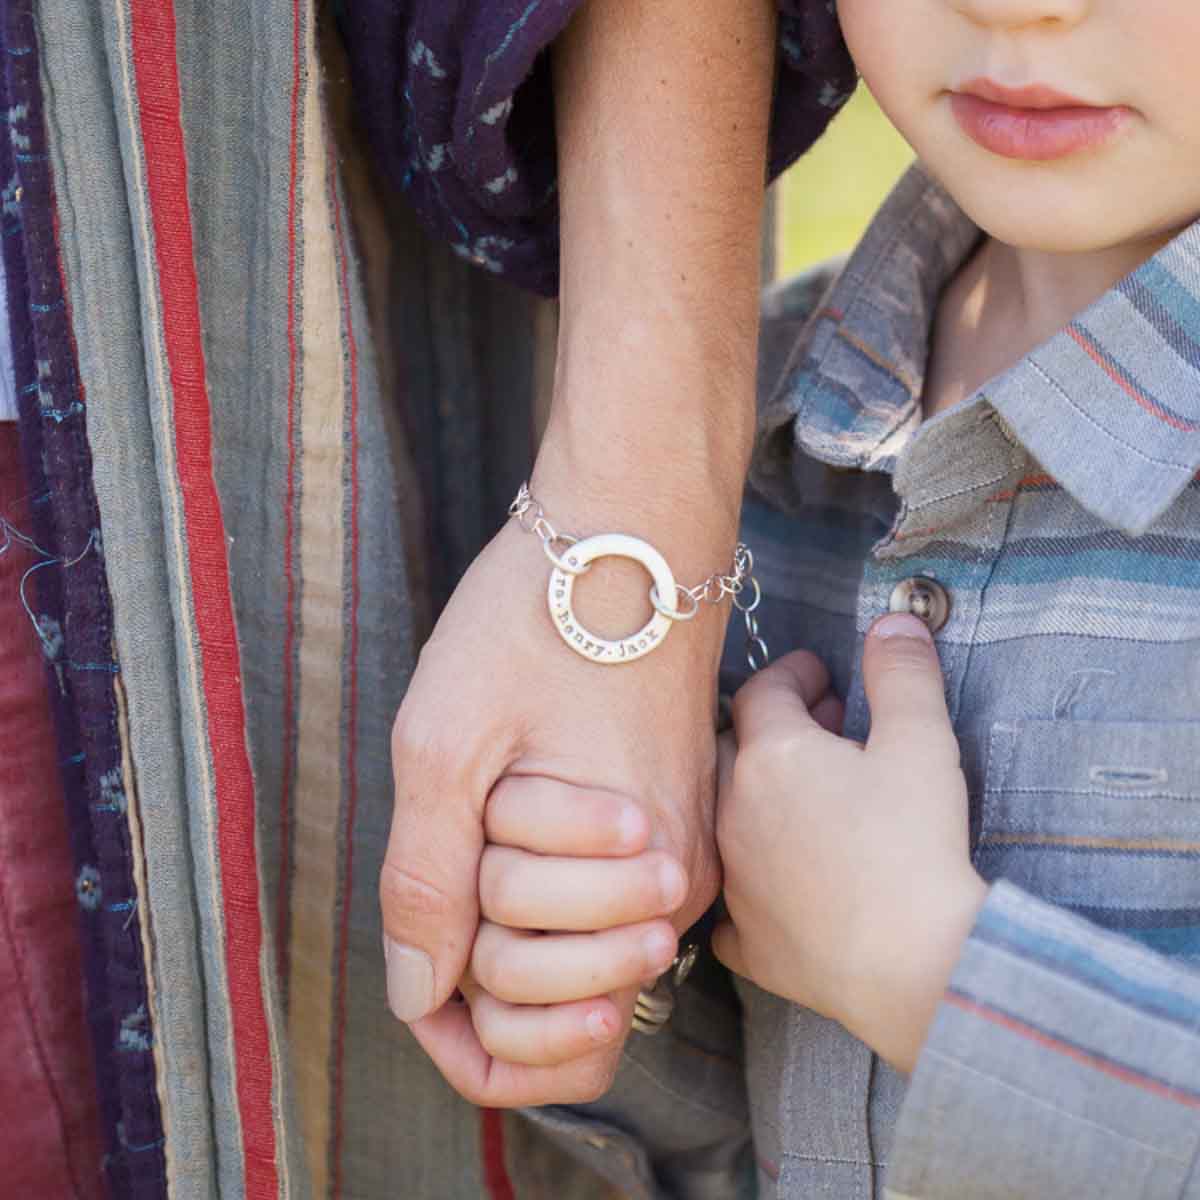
(562, 585)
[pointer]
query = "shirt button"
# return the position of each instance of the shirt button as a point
(924, 598)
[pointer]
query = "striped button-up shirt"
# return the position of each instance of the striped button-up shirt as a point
(1059, 510)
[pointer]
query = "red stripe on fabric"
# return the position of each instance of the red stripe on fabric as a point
(495, 1171)
(283, 915)
(1114, 372)
(352, 685)
(1039, 479)
(1029, 483)
(1103, 1065)
(157, 81)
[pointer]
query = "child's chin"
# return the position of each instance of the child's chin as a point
(1052, 219)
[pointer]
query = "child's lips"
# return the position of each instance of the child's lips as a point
(1035, 128)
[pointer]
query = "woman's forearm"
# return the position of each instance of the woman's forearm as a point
(663, 110)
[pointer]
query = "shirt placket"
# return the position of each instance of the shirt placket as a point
(956, 481)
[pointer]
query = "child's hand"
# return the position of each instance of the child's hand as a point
(575, 918)
(847, 873)
(563, 930)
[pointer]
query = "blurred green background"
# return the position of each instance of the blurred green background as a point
(826, 200)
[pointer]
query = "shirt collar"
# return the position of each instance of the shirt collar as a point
(1110, 406)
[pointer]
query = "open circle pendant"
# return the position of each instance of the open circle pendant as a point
(562, 587)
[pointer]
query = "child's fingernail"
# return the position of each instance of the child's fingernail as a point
(901, 625)
(660, 950)
(671, 884)
(600, 1028)
(630, 824)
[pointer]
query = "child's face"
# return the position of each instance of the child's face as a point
(1101, 148)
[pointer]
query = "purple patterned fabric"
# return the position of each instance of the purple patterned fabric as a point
(69, 599)
(456, 98)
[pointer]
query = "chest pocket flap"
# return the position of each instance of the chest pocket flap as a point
(1103, 818)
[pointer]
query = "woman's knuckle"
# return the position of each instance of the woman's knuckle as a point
(404, 892)
(422, 753)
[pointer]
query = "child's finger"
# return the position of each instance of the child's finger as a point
(902, 678)
(553, 968)
(540, 1035)
(551, 817)
(535, 891)
(449, 1038)
(727, 947)
(780, 698)
(830, 713)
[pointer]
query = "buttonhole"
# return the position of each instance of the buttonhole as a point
(1129, 777)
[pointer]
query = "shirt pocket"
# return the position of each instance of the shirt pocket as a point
(1102, 818)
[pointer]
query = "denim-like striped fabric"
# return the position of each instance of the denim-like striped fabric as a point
(248, 474)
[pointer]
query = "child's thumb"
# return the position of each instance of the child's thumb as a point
(903, 681)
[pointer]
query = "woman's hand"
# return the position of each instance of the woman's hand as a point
(662, 109)
(500, 706)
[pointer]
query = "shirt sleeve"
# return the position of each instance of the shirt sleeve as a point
(457, 102)
(1064, 1062)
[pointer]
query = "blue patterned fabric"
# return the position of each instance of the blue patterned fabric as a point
(456, 98)
(73, 609)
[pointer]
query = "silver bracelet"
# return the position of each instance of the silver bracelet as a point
(571, 557)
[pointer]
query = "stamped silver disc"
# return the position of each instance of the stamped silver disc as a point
(562, 586)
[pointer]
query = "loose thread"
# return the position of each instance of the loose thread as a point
(11, 534)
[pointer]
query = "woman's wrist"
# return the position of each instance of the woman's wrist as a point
(653, 409)
(678, 483)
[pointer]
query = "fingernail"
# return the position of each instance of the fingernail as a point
(629, 825)
(409, 980)
(600, 1028)
(660, 950)
(901, 625)
(671, 884)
